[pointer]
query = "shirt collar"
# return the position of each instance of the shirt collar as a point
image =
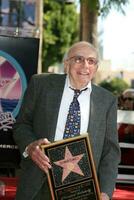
(68, 85)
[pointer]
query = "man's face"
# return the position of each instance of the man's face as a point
(81, 66)
(128, 101)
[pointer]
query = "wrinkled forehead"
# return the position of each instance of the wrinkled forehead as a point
(83, 49)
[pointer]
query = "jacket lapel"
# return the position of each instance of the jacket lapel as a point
(54, 96)
(95, 114)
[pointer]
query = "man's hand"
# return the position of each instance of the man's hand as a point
(35, 153)
(104, 196)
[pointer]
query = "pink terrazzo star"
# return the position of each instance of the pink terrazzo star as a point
(70, 164)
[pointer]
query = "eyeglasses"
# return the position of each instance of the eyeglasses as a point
(128, 98)
(81, 60)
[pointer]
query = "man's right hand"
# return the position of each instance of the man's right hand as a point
(35, 153)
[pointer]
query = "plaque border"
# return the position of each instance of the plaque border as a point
(59, 143)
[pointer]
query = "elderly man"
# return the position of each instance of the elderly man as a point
(43, 117)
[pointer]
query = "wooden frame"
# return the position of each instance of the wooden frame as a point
(73, 175)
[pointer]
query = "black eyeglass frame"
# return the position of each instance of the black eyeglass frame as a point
(128, 98)
(91, 60)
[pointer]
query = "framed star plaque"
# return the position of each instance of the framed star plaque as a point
(73, 174)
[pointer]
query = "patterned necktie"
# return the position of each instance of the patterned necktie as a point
(72, 127)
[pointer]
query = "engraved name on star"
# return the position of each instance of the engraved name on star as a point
(70, 164)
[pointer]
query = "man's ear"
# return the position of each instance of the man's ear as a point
(66, 66)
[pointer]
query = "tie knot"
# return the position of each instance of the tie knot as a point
(77, 93)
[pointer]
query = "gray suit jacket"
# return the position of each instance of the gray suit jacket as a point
(38, 119)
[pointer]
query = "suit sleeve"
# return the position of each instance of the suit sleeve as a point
(108, 167)
(23, 132)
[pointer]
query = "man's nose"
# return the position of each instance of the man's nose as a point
(86, 63)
